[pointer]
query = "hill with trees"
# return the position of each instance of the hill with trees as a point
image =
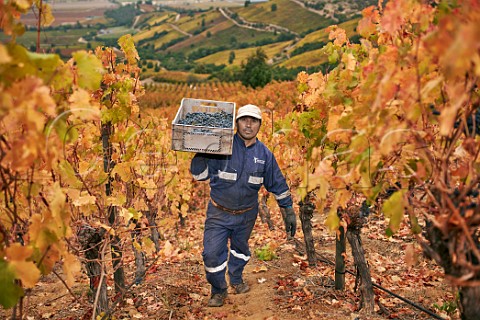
(214, 40)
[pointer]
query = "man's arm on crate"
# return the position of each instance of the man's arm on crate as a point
(199, 166)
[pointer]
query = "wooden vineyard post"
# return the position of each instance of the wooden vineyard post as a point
(340, 248)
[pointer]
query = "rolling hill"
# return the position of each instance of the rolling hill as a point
(277, 26)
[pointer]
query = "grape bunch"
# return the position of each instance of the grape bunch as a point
(220, 119)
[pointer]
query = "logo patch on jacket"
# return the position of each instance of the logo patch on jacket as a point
(256, 160)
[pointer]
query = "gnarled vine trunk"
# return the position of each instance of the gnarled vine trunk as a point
(468, 295)
(306, 214)
(92, 243)
(116, 246)
(357, 218)
(366, 286)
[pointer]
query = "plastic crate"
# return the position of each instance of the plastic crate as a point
(202, 139)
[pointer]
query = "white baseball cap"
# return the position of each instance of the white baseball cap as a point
(249, 110)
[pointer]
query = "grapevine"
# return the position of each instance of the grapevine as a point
(381, 131)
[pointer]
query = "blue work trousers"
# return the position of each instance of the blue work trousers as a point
(220, 227)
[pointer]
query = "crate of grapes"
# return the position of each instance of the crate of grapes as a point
(204, 126)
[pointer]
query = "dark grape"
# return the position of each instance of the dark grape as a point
(220, 119)
(473, 123)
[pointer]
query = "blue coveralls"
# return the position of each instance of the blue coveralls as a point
(234, 184)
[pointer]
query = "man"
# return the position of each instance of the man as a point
(234, 184)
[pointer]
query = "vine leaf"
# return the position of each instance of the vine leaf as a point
(10, 291)
(71, 268)
(89, 69)
(128, 47)
(4, 56)
(394, 208)
(26, 271)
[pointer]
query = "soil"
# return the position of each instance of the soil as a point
(286, 287)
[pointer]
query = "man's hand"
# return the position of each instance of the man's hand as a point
(290, 221)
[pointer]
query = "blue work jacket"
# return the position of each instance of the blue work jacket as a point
(236, 179)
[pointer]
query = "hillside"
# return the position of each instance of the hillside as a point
(182, 35)
(277, 26)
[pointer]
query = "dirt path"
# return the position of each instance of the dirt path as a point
(285, 288)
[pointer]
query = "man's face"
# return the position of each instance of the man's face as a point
(247, 128)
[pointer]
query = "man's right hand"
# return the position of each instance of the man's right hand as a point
(290, 220)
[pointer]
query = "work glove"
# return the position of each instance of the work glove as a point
(290, 221)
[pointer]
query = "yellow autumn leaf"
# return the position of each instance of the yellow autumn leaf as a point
(26, 271)
(117, 200)
(394, 208)
(302, 77)
(317, 81)
(350, 61)
(332, 221)
(342, 197)
(17, 252)
(137, 246)
(391, 140)
(148, 246)
(125, 214)
(82, 107)
(23, 5)
(47, 16)
(320, 182)
(184, 209)
(338, 34)
(89, 70)
(71, 268)
(123, 170)
(311, 99)
(84, 200)
(108, 228)
(4, 56)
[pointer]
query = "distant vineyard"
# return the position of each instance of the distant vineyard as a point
(167, 96)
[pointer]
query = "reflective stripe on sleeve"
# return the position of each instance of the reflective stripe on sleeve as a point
(239, 255)
(283, 195)
(216, 269)
(201, 176)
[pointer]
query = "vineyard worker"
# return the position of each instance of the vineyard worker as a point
(233, 207)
